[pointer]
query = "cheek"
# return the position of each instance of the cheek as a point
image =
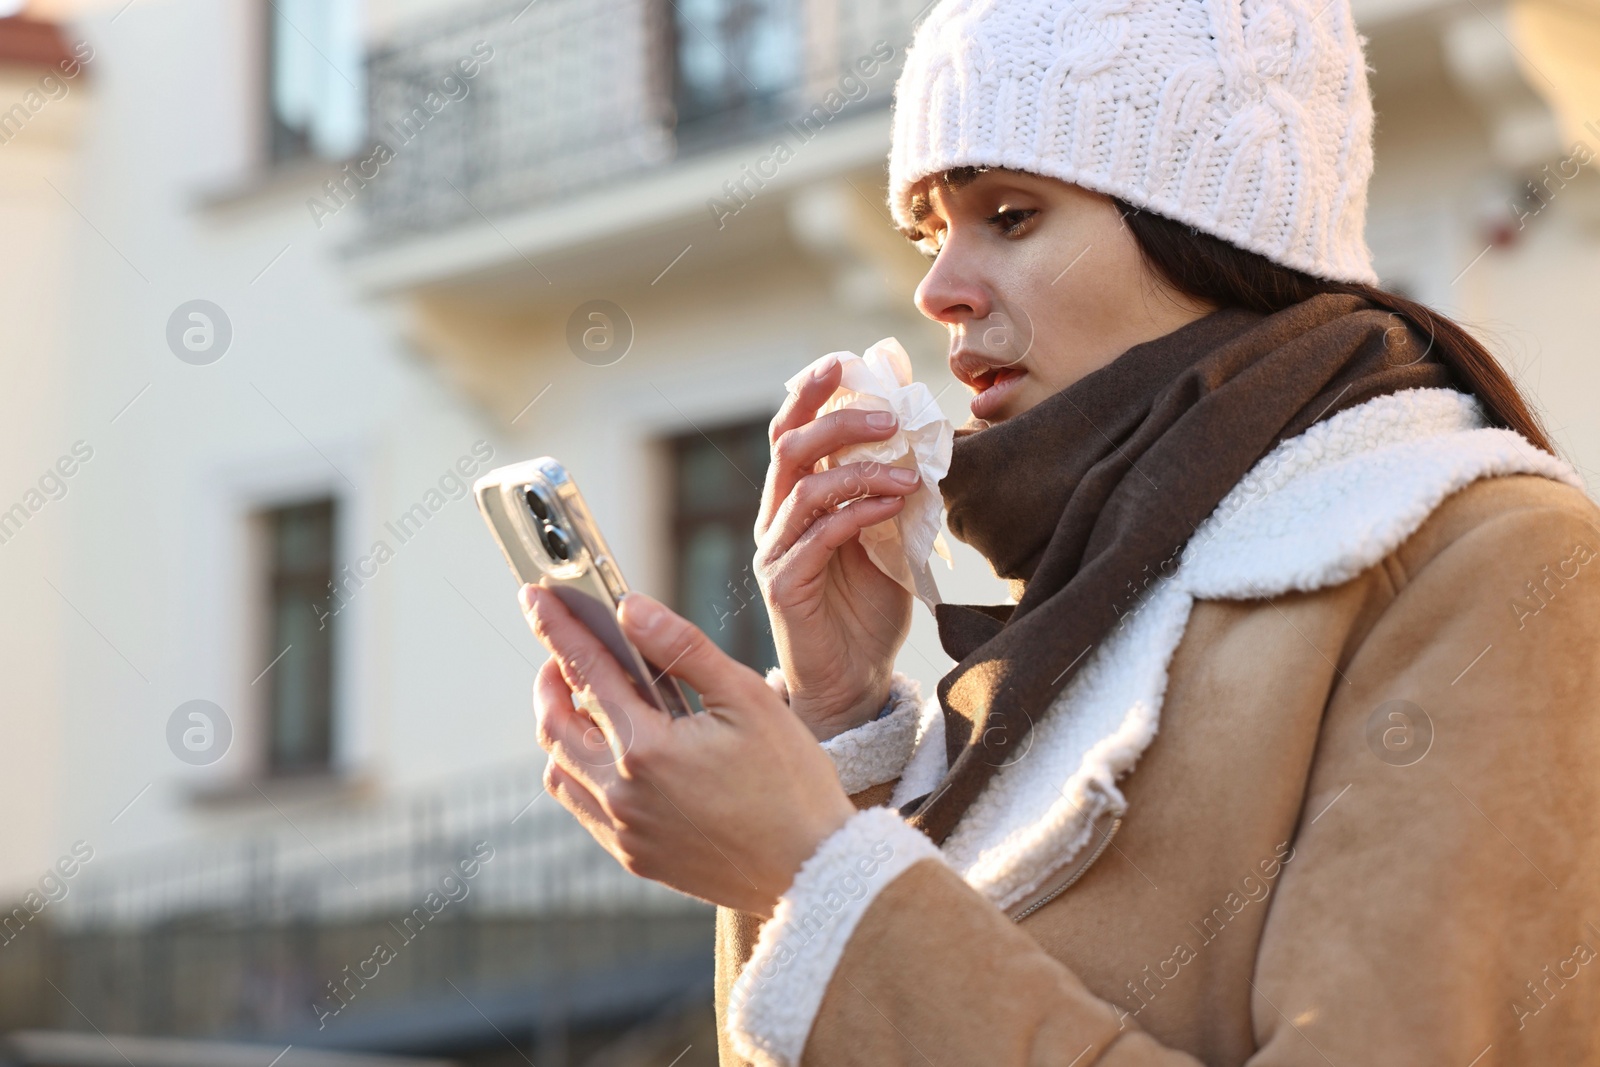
(1116, 285)
(1082, 317)
(1069, 319)
(1108, 294)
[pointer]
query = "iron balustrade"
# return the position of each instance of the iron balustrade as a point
(248, 934)
(344, 861)
(578, 93)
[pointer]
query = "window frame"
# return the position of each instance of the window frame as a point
(736, 116)
(279, 144)
(681, 524)
(274, 582)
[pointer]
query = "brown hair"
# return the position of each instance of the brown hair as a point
(1220, 273)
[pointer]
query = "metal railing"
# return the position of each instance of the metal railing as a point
(247, 934)
(561, 96)
(345, 862)
(569, 94)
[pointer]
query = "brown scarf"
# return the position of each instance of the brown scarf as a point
(1085, 497)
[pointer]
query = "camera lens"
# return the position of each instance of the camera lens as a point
(556, 542)
(536, 505)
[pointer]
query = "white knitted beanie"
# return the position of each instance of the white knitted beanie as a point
(1250, 120)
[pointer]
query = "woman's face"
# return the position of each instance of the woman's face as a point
(1039, 282)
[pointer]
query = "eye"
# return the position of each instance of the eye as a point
(930, 243)
(1010, 221)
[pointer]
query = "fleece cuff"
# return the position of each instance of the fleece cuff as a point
(776, 997)
(877, 750)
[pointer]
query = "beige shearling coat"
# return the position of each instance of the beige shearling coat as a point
(1359, 825)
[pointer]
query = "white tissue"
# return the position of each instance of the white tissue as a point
(880, 379)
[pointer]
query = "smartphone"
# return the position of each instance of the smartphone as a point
(544, 528)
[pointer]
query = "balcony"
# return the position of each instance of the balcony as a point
(587, 119)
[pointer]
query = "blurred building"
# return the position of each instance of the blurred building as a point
(287, 275)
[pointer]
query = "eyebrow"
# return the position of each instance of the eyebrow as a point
(921, 207)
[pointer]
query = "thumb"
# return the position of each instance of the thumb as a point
(678, 647)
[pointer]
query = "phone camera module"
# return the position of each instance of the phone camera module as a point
(554, 539)
(556, 542)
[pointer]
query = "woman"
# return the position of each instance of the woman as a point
(1281, 755)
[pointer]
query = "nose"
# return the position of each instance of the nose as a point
(952, 292)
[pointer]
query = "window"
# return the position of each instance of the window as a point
(734, 55)
(300, 638)
(315, 93)
(716, 498)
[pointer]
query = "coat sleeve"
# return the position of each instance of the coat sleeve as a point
(1439, 904)
(868, 760)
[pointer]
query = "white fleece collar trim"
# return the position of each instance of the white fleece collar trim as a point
(1325, 506)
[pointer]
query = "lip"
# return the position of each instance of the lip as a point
(989, 401)
(991, 379)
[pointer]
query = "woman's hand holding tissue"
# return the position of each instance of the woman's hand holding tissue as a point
(837, 619)
(724, 805)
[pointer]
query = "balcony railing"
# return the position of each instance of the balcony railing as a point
(342, 864)
(253, 935)
(569, 94)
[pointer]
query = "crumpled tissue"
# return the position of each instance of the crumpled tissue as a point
(880, 379)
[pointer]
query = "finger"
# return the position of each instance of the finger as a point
(797, 452)
(818, 494)
(550, 690)
(799, 408)
(684, 651)
(571, 738)
(577, 798)
(808, 558)
(584, 660)
(586, 664)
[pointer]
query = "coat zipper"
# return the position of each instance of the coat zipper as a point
(1083, 868)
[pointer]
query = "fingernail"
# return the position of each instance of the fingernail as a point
(643, 612)
(903, 475)
(529, 597)
(880, 420)
(821, 370)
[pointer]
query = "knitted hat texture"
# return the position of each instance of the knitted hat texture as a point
(1250, 120)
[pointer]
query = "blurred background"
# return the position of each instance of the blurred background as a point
(282, 277)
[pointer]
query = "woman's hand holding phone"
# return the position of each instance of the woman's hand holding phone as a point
(725, 805)
(837, 620)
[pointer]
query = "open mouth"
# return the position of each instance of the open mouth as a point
(994, 387)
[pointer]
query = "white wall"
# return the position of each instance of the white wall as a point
(34, 223)
(318, 392)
